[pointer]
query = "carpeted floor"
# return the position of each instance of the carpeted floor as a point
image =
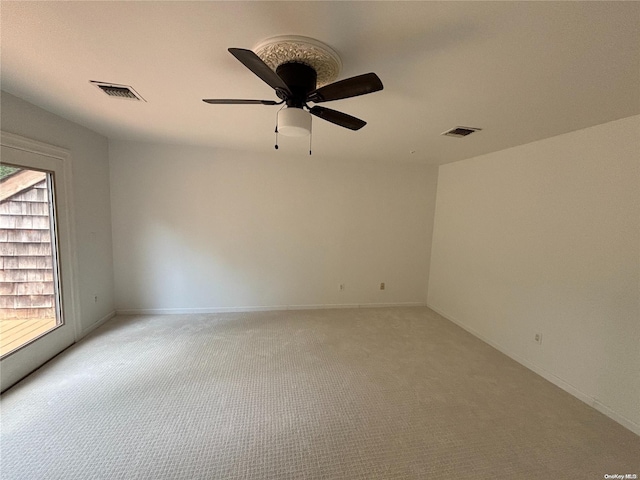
(388, 393)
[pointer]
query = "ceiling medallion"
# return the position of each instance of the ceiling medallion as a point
(323, 59)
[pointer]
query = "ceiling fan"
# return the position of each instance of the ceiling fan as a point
(295, 83)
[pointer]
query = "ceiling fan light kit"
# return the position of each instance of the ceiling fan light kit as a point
(301, 70)
(294, 122)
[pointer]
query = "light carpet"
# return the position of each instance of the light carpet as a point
(388, 393)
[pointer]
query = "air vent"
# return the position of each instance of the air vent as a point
(460, 131)
(120, 91)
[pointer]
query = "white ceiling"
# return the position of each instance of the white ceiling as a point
(521, 71)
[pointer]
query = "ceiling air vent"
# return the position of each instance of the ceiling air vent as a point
(121, 91)
(460, 131)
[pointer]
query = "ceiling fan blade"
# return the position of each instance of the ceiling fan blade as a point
(350, 87)
(254, 63)
(231, 101)
(339, 118)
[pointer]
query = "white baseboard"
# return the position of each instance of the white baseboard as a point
(92, 327)
(266, 308)
(559, 382)
(624, 421)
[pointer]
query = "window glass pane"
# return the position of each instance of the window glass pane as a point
(29, 301)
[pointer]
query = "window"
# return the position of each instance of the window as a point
(30, 304)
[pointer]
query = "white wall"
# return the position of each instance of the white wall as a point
(197, 229)
(90, 171)
(544, 238)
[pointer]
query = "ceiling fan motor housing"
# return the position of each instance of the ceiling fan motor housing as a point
(301, 80)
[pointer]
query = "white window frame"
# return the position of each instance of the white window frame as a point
(66, 241)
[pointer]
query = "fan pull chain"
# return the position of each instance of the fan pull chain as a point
(277, 126)
(310, 135)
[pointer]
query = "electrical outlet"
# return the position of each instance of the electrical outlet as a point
(342, 286)
(382, 286)
(538, 338)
